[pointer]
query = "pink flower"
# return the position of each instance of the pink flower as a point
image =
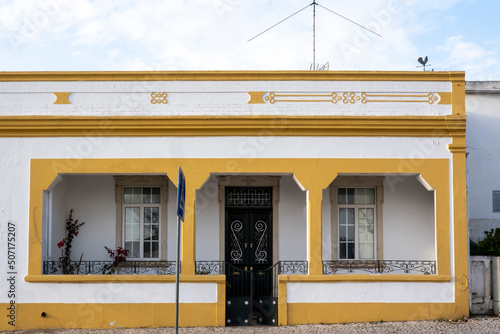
(60, 243)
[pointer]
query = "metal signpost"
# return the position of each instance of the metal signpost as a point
(181, 199)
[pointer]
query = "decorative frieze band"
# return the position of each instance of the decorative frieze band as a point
(347, 98)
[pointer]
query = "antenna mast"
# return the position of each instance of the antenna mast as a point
(314, 34)
(314, 3)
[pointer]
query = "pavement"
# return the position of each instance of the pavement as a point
(480, 325)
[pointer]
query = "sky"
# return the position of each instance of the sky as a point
(185, 35)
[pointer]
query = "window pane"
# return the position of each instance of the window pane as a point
(133, 248)
(342, 249)
(137, 196)
(366, 251)
(147, 250)
(364, 196)
(132, 223)
(350, 250)
(350, 196)
(155, 196)
(154, 250)
(127, 195)
(146, 195)
(342, 196)
(342, 233)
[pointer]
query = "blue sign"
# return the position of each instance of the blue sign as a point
(181, 194)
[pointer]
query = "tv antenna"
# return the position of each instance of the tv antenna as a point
(423, 62)
(314, 4)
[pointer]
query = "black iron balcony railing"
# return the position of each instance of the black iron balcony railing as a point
(379, 267)
(100, 268)
(284, 267)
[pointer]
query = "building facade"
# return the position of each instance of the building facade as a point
(311, 197)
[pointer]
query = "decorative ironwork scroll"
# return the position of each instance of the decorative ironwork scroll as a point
(125, 268)
(380, 267)
(293, 267)
(236, 237)
(209, 267)
(261, 236)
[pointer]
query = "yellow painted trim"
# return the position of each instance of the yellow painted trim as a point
(62, 97)
(327, 313)
(109, 315)
(445, 98)
(313, 174)
(256, 98)
(387, 126)
(282, 304)
(234, 76)
(124, 278)
(362, 278)
(458, 97)
(461, 239)
(344, 98)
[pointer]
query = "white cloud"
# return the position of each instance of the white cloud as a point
(479, 62)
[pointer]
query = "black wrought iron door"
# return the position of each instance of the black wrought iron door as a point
(249, 269)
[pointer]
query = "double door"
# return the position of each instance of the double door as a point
(250, 274)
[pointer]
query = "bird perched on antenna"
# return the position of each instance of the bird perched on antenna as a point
(423, 61)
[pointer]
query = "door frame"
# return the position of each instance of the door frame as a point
(248, 181)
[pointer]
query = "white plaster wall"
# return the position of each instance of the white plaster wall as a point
(292, 221)
(16, 154)
(483, 159)
(209, 98)
(118, 293)
(326, 226)
(207, 222)
(92, 199)
(408, 220)
(372, 292)
(60, 212)
(481, 297)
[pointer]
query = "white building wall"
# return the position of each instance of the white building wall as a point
(408, 220)
(326, 226)
(292, 221)
(188, 98)
(16, 154)
(483, 159)
(92, 199)
(207, 238)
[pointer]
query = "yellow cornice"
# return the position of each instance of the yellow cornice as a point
(234, 76)
(191, 126)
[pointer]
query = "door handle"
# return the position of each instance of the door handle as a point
(246, 245)
(251, 245)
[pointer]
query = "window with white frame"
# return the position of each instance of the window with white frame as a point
(356, 203)
(141, 216)
(141, 220)
(356, 223)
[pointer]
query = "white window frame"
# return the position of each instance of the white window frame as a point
(142, 181)
(357, 181)
(356, 208)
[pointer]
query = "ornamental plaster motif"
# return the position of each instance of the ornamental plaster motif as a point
(62, 97)
(159, 98)
(340, 98)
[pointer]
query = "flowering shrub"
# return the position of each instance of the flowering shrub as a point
(72, 227)
(118, 255)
